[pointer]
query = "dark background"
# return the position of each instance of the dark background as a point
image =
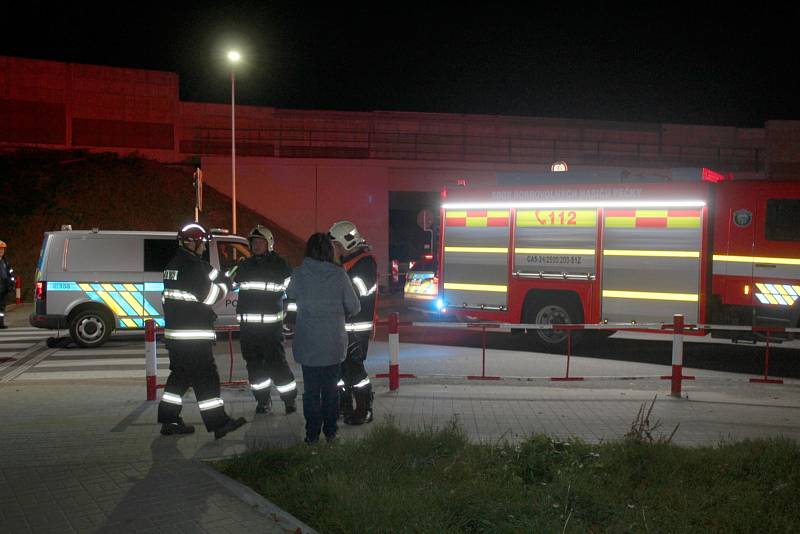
(720, 65)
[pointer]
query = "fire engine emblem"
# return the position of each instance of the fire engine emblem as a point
(742, 218)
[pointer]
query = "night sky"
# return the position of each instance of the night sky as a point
(676, 63)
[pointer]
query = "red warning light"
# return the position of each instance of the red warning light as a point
(711, 176)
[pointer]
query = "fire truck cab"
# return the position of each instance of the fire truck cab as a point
(723, 253)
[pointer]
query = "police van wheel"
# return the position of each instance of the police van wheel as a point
(90, 328)
(556, 311)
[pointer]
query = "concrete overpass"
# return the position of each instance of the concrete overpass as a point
(305, 169)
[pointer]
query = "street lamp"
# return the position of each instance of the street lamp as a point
(233, 57)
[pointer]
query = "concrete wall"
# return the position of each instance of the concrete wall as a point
(307, 196)
(46, 103)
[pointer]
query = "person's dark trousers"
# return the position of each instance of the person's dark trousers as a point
(321, 400)
(191, 364)
(262, 349)
(3, 311)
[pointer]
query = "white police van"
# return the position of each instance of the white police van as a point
(94, 282)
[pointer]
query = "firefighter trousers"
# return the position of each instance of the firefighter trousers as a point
(355, 380)
(262, 348)
(191, 365)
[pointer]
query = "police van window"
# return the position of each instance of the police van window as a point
(102, 254)
(783, 215)
(157, 253)
(231, 253)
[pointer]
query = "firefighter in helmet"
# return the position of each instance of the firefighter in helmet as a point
(361, 267)
(191, 287)
(262, 280)
(7, 282)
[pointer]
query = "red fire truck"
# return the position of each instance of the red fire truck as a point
(718, 251)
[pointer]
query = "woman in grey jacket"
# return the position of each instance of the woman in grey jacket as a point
(325, 298)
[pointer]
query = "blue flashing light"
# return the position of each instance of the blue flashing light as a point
(440, 305)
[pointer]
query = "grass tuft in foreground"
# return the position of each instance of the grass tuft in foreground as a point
(437, 481)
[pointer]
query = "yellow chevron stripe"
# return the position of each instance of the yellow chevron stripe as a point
(135, 304)
(112, 304)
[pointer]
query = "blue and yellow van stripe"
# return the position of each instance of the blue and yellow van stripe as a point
(126, 300)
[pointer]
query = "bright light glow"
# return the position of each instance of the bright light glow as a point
(577, 204)
(234, 56)
(440, 304)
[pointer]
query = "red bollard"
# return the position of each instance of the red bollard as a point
(566, 377)
(150, 358)
(18, 286)
(394, 374)
(766, 379)
(483, 356)
(394, 351)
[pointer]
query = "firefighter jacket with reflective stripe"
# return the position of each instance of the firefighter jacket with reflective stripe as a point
(191, 287)
(7, 277)
(262, 282)
(362, 269)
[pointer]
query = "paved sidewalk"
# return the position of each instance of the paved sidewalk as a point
(86, 456)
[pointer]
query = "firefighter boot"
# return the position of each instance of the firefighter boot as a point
(3, 322)
(264, 406)
(229, 426)
(363, 411)
(345, 402)
(290, 404)
(170, 429)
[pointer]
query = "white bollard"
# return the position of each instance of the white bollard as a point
(150, 358)
(677, 355)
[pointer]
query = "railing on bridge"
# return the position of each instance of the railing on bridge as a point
(364, 144)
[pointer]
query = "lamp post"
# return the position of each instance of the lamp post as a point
(233, 57)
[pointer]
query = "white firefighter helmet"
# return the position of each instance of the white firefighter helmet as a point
(346, 234)
(193, 232)
(262, 232)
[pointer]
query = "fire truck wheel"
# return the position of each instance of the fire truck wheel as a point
(552, 311)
